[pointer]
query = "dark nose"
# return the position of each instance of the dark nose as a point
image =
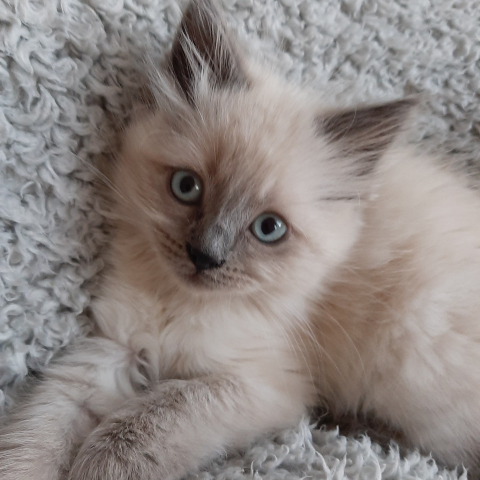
(201, 260)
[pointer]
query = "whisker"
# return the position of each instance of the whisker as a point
(323, 352)
(99, 174)
(303, 353)
(349, 338)
(276, 353)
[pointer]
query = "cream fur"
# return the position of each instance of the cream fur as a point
(370, 303)
(400, 323)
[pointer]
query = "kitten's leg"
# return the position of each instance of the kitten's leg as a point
(38, 439)
(178, 426)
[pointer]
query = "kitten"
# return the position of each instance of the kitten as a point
(268, 255)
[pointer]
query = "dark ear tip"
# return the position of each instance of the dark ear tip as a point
(364, 117)
(199, 8)
(402, 109)
(203, 43)
(409, 100)
(395, 107)
(407, 104)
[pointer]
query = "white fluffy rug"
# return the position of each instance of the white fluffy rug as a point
(67, 67)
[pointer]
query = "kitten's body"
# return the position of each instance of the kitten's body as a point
(370, 302)
(400, 323)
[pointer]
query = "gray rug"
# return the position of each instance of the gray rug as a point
(67, 71)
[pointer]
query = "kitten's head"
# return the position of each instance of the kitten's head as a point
(239, 182)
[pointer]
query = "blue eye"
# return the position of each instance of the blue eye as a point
(186, 186)
(268, 228)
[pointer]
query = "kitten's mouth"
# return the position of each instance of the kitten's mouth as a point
(206, 279)
(224, 278)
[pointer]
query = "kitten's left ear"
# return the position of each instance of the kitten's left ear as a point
(203, 40)
(363, 134)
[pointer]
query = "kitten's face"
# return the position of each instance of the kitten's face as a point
(235, 181)
(229, 199)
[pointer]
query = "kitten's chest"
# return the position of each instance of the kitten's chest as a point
(184, 342)
(184, 348)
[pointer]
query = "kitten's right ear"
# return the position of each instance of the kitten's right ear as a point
(202, 41)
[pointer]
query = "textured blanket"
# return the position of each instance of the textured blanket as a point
(68, 69)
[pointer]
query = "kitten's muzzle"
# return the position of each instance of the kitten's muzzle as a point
(202, 260)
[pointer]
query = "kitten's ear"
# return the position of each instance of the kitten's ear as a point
(364, 133)
(201, 41)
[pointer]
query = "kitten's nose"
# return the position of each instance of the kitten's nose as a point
(201, 260)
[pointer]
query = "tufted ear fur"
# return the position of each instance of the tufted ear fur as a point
(203, 42)
(363, 134)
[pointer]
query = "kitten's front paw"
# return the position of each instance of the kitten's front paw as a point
(118, 452)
